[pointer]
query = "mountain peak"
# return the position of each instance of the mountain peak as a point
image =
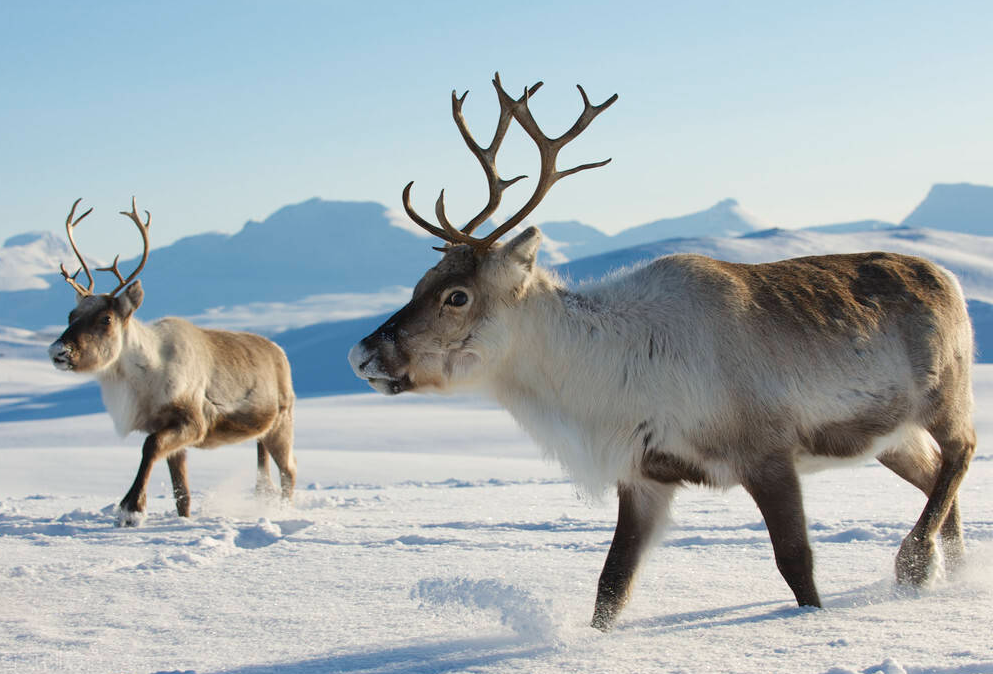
(47, 240)
(959, 207)
(26, 258)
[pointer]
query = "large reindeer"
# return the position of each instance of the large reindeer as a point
(183, 385)
(693, 370)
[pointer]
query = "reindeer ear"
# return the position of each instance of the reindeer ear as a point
(523, 248)
(516, 260)
(130, 299)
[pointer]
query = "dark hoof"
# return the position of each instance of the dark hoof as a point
(603, 620)
(914, 562)
(129, 518)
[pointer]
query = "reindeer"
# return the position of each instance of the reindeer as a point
(690, 370)
(180, 384)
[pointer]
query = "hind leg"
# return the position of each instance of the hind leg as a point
(957, 440)
(917, 461)
(264, 488)
(278, 443)
(180, 483)
(951, 538)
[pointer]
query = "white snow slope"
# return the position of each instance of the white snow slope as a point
(427, 536)
(26, 258)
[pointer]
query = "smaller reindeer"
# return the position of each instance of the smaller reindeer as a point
(183, 385)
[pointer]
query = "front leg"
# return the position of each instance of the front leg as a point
(776, 490)
(640, 511)
(162, 443)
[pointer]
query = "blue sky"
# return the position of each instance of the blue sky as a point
(214, 113)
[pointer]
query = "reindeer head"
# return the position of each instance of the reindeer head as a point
(95, 336)
(454, 329)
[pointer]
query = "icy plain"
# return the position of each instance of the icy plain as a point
(427, 535)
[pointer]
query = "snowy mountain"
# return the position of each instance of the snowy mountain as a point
(960, 207)
(726, 218)
(312, 248)
(573, 240)
(324, 249)
(27, 260)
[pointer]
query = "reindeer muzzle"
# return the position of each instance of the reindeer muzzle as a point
(61, 355)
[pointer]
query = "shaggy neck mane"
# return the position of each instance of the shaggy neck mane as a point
(564, 375)
(125, 383)
(138, 352)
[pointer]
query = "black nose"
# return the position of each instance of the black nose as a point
(387, 332)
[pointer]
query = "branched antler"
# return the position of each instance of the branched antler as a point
(142, 227)
(548, 149)
(71, 279)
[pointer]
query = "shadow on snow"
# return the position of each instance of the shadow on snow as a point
(439, 657)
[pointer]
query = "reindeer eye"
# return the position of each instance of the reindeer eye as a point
(105, 320)
(457, 298)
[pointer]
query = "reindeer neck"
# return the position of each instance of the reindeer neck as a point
(563, 379)
(563, 351)
(139, 352)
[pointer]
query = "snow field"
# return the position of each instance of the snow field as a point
(427, 537)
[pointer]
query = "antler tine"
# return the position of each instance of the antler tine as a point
(407, 206)
(487, 156)
(71, 279)
(487, 160)
(548, 149)
(143, 228)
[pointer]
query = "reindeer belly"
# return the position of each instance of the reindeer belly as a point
(228, 424)
(849, 444)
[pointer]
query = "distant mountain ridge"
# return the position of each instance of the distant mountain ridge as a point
(311, 248)
(304, 249)
(324, 247)
(960, 207)
(574, 240)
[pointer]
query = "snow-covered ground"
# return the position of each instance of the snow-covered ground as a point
(428, 536)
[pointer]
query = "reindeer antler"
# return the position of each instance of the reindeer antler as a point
(142, 227)
(71, 280)
(548, 149)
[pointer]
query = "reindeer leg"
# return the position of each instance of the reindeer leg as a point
(279, 444)
(951, 538)
(776, 491)
(180, 484)
(640, 511)
(917, 462)
(131, 511)
(915, 557)
(263, 482)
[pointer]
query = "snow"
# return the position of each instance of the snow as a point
(269, 318)
(426, 536)
(26, 258)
